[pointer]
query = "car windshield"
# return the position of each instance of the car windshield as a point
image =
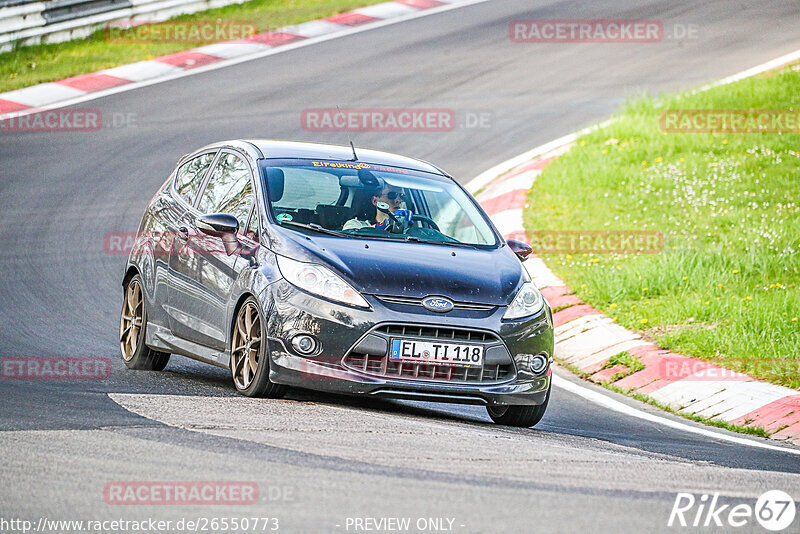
(359, 199)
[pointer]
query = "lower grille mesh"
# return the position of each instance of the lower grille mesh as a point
(380, 366)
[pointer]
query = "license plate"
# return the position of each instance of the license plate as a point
(407, 350)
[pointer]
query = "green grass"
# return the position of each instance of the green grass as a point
(725, 288)
(30, 65)
(623, 358)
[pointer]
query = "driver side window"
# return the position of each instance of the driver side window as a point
(229, 189)
(190, 176)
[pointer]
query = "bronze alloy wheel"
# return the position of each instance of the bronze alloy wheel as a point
(130, 324)
(249, 354)
(246, 345)
(133, 330)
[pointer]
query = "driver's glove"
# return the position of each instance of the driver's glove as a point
(405, 214)
(384, 224)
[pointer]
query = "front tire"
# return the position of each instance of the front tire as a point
(132, 329)
(521, 416)
(249, 358)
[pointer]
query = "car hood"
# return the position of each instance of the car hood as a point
(382, 267)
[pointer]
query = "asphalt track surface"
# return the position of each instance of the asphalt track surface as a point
(581, 469)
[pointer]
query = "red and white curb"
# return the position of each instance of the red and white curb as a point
(586, 338)
(109, 81)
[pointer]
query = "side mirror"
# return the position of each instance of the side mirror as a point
(221, 225)
(521, 249)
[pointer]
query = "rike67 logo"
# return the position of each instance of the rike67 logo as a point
(774, 510)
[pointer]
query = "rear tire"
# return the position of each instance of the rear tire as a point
(521, 416)
(132, 330)
(249, 356)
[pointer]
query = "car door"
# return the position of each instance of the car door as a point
(203, 274)
(171, 206)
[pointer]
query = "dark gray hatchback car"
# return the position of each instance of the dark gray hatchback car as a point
(336, 269)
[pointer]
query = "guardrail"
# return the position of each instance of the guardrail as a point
(25, 22)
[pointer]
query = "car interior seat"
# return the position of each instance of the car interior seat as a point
(334, 217)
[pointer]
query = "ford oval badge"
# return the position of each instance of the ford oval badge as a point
(437, 304)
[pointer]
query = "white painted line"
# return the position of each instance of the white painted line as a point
(139, 71)
(235, 61)
(314, 28)
(386, 10)
(41, 95)
(620, 407)
(229, 50)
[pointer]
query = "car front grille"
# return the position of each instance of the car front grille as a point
(381, 366)
(438, 333)
(413, 301)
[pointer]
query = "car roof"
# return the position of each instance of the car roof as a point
(274, 149)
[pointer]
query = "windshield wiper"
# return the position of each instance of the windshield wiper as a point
(316, 228)
(415, 239)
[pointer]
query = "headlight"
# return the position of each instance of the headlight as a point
(527, 302)
(320, 281)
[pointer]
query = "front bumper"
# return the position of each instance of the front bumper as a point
(341, 329)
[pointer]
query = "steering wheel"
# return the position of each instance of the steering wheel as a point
(427, 220)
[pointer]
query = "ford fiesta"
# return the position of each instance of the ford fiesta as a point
(336, 269)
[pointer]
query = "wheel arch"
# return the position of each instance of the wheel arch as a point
(130, 273)
(232, 323)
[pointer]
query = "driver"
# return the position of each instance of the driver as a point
(394, 198)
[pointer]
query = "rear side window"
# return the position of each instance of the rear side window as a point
(305, 188)
(190, 176)
(229, 189)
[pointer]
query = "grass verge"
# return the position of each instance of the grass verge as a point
(623, 359)
(725, 287)
(31, 65)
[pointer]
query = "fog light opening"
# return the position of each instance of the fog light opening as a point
(306, 344)
(538, 363)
